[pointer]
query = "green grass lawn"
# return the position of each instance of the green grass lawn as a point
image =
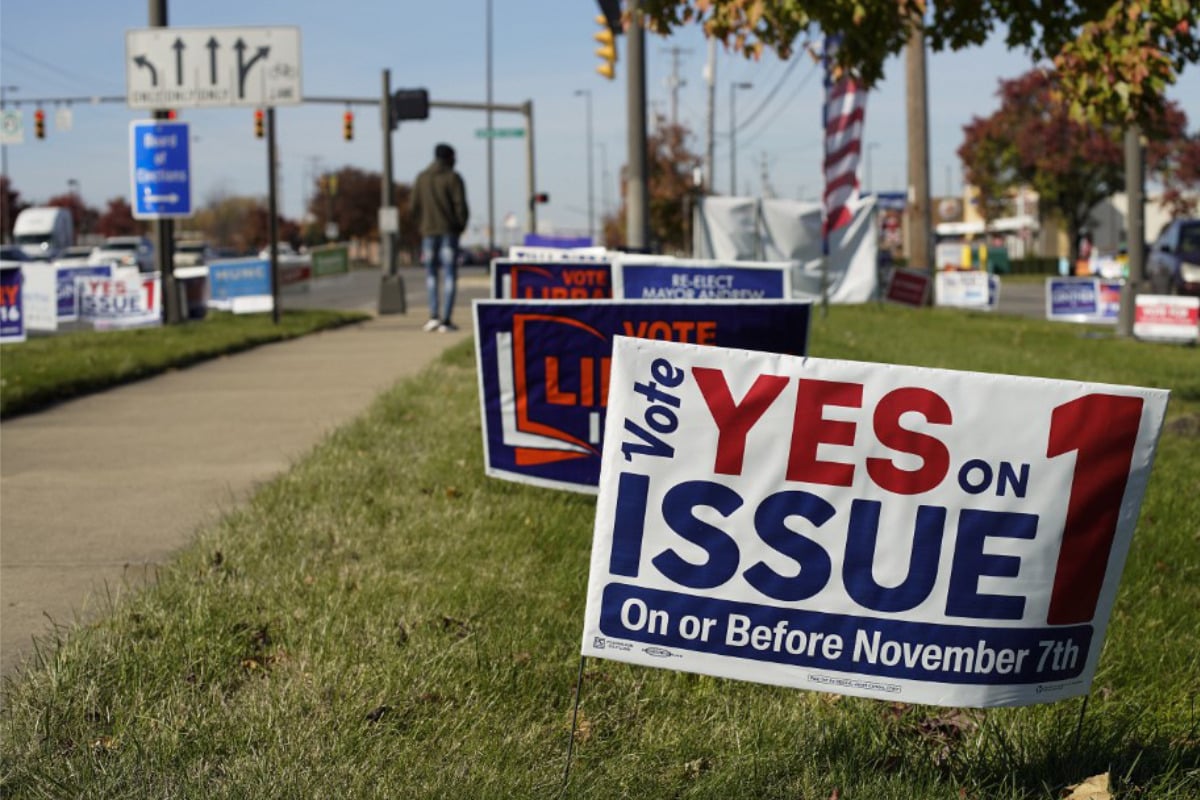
(385, 622)
(49, 369)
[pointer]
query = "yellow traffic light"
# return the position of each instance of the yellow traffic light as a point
(348, 125)
(39, 124)
(258, 123)
(607, 49)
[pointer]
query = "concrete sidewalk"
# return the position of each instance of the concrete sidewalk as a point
(98, 491)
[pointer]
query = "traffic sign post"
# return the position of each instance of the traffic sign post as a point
(160, 164)
(212, 67)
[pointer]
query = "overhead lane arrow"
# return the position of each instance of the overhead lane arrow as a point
(244, 68)
(142, 61)
(178, 47)
(212, 59)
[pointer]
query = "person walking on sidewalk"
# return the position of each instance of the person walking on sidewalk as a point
(439, 208)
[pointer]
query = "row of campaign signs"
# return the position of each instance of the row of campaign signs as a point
(1092, 300)
(892, 532)
(44, 296)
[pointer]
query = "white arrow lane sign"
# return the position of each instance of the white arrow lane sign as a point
(207, 67)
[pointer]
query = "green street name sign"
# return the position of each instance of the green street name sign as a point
(499, 133)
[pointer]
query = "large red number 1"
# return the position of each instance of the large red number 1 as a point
(1102, 429)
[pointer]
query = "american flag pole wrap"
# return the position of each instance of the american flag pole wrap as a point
(845, 104)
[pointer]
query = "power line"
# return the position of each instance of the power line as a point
(54, 68)
(784, 105)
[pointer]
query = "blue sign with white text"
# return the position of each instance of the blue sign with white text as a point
(702, 282)
(67, 291)
(161, 164)
(247, 277)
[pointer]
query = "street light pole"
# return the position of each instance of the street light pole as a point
(587, 94)
(733, 87)
(4, 223)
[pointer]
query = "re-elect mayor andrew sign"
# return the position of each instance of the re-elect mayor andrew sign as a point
(893, 532)
(543, 372)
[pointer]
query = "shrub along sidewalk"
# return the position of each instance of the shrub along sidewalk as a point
(384, 621)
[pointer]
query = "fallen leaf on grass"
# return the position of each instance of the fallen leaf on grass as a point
(693, 768)
(1094, 788)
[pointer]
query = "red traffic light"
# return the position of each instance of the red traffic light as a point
(348, 125)
(541, 197)
(39, 124)
(258, 123)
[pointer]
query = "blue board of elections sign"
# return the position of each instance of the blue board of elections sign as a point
(901, 533)
(543, 371)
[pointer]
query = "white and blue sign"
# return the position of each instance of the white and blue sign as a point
(543, 371)
(240, 285)
(1090, 300)
(12, 306)
(695, 280)
(67, 287)
(518, 279)
(907, 534)
(160, 159)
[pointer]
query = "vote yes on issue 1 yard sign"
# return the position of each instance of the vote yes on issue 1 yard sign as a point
(908, 534)
(161, 165)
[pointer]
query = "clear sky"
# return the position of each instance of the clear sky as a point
(542, 50)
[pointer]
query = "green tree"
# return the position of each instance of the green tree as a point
(1032, 140)
(1117, 57)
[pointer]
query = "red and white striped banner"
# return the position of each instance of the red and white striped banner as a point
(845, 104)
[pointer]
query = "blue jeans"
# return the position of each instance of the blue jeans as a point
(441, 249)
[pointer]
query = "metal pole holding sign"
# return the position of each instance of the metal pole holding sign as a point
(272, 215)
(392, 299)
(164, 228)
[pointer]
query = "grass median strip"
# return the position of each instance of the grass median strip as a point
(384, 621)
(49, 369)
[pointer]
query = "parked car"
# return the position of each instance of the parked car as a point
(75, 254)
(12, 254)
(1173, 265)
(127, 251)
(192, 254)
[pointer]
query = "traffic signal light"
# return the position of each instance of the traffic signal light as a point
(541, 197)
(39, 124)
(409, 104)
(348, 125)
(258, 123)
(607, 49)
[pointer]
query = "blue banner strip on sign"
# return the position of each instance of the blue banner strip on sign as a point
(552, 280)
(891, 648)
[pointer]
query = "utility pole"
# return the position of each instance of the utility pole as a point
(674, 82)
(1135, 223)
(920, 219)
(710, 77)
(637, 199)
(164, 228)
(491, 188)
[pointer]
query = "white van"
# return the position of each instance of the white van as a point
(44, 231)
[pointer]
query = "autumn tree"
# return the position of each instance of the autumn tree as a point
(669, 167)
(83, 216)
(1117, 57)
(10, 200)
(351, 198)
(118, 220)
(1032, 140)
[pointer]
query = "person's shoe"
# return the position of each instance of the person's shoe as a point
(447, 327)
(432, 325)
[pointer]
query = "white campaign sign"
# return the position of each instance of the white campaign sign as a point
(911, 534)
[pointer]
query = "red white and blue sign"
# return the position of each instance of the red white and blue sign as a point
(543, 372)
(12, 305)
(695, 280)
(551, 280)
(67, 289)
(110, 303)
(1091, 300)
(901, 533)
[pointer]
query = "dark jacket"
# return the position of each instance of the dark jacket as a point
(439, 201)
